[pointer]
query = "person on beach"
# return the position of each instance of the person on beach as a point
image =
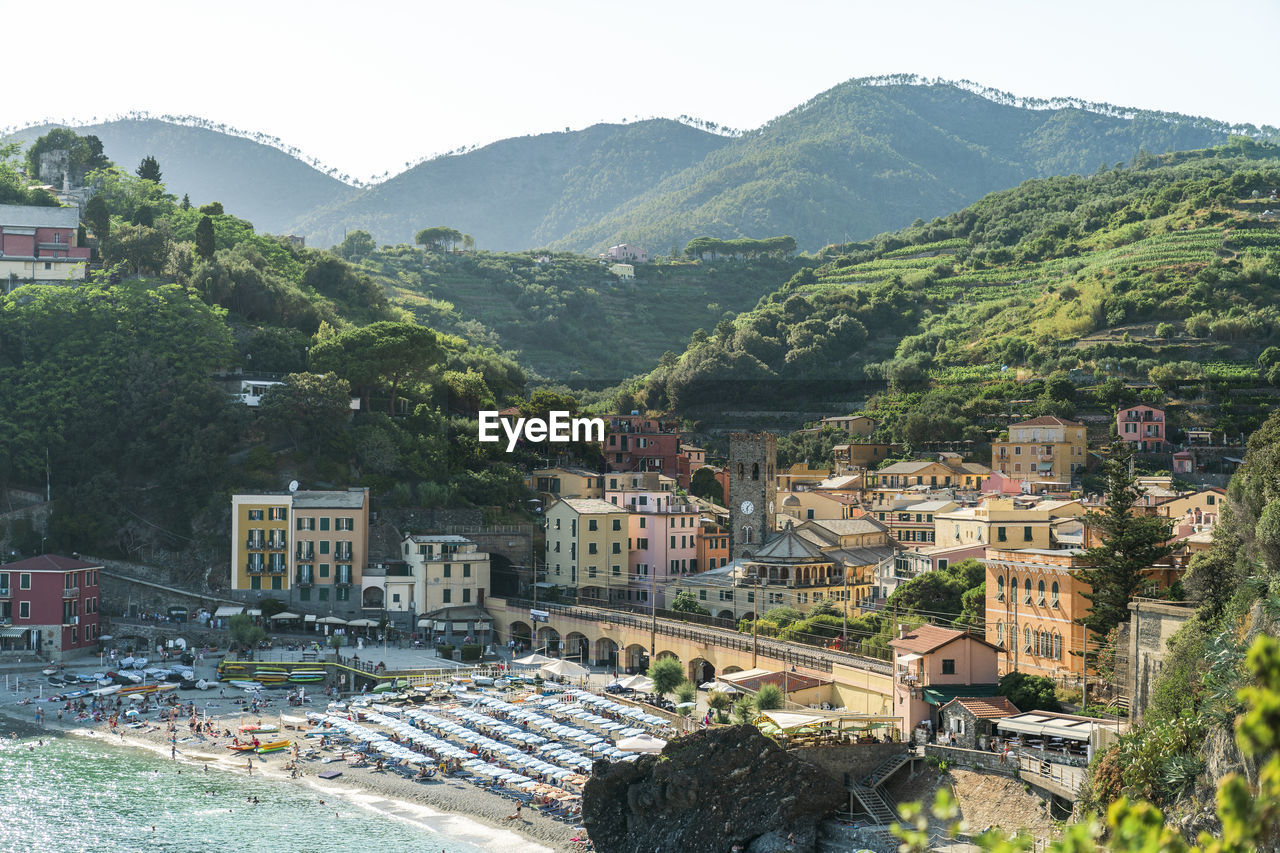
(515, 816)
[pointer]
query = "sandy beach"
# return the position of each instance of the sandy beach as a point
(447, 805)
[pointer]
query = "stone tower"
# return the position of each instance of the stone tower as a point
(753, 486)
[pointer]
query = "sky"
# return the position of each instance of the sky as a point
(368, 87)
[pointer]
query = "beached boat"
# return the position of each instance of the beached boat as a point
(125, 663)
(106, 691)
(56, 681)
(75, 694)
(127, 678)
(245, 685)
(259, 727)
(205, 684)
(106, 682)
(240, 747)
(304, 676)
(388, 686)
(140, 663)
(50, 670)
(273, 746)
(271, 677)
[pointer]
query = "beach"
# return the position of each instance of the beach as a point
(452, 807)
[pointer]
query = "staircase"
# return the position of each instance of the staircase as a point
(886, 769)
(873, 803)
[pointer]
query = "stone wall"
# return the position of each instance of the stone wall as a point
(857, 760)
(1151, 624)
(972, 758)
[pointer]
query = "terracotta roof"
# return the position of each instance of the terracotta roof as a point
(926, 638)
(50, 563)
(787, 681)
(1047, 420)
(987, 707)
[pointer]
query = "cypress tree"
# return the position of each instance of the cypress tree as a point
(204, 238)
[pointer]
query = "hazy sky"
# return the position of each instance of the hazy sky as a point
(368, 86)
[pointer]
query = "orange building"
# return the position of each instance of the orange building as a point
(712, 546)
(1033, 600)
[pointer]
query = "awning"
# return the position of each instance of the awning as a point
(460, 626)
(483, 626)
(229, 611)
(1045, 466)
(12, 633)
(424, 623)
(310, 617)
(1049, 726)
(787, 721)
(286, 615)
(254, 611)
(440, 626)
(908, 658)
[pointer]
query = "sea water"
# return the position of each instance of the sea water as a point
(73, 794)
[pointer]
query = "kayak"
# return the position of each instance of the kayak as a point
(259, 727)
(240, 747)
(246, 685)
(273, 746)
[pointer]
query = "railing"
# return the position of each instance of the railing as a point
(4, 592)
(70, 591)
(822, 660)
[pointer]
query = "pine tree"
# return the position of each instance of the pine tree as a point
(149, 169)
(204, 238)
(186, 202)
(1130, 544)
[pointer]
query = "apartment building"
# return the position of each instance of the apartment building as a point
(1044, 449)
(1004, 522)
(587, 549)
(436, 578)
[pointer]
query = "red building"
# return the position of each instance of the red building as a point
(638, 443)
(49, 604)
(40, 244)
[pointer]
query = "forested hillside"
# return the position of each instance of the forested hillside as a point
(863, 158)
(261, 183)
(115, 389)
(566, 317)
(518, 193)
(1163, 273)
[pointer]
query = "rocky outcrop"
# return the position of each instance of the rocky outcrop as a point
(706, 792)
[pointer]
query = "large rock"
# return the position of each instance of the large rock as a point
(706, 792)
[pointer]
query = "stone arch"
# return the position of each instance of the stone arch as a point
(577, 647)
(750, 615)
(521, 633)
(729, 670)
(549, 637)
(725, 614)
(372, 597)
(667, 654)
(606, 652)
(636, 658)
(701, 671)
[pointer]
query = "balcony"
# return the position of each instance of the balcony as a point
(277, 570)
(254, 569)
(256, 545)
(71, 592)
(303, 580)
(4, 592)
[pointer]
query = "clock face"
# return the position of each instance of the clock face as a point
(748, 507)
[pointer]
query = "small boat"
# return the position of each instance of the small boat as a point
(56, 681)
(240, 747)
(50, 670)
(106, 691)
(205, 684)
(259, 727)
(387, 686)
(246, 685)
(125, 663)
(273, 746)
(165, 688)
(186, 674)
(75, 694)
(128, 678)
(139, 663)
(87, 678)
(106, 682)
(137, 689)
(483, 681)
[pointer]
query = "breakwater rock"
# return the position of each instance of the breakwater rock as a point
(706, 792)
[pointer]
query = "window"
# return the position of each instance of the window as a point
(277, 513)
(999, 589)
(1053, 600)
(1026, 595)
(1057, 646)
(324, 570)
(948, 666)
(1001, 536)
(24, 609)
(466, 596)
(24, 580)
(306, 523)
(255, 582)
(642, 523)
(617, 524)
(1000, 634)
(466, 570)
(673, 541)
(702, 595)
(447, 596)
(324, 522)
(1026, 639)
(1040, 593)
(591, 547)
(255, 515)
(592, 524)
(448, 570)
(1026, 534)
(617, 547)
(344, 524)
(324, 594)
(324, 546)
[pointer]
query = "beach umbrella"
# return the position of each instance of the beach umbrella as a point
(642, 743)
(720, 687)
(533, 660)
(637, 682)
(565, 668)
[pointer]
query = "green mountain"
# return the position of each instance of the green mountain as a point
(518, 193)
(261, 183)
(863, 158)
(1162, 275)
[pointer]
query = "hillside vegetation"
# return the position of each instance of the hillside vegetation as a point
(1162, 273)
(565, 316)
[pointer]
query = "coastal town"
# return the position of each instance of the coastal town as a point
(623, 590)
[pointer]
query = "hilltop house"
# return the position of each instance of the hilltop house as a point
(627, 252)
(1142, 426)
(1044, 449)
(40, 244)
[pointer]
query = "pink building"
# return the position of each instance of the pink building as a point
(49, 604)
(663, 532)
(40, 244)
(637, 443)
(1143, 426)
(932, 666)
(626, 252)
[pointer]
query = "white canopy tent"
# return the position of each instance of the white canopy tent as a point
(565, 668)
(637, 682)
(533, 660)
(642, 743)
(285, 615)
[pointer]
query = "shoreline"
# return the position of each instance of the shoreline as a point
(446, 806)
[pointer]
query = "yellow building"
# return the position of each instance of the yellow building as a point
(260, 541)
(587, 551)
(1044, 449)
(1002, 523)
(561, 482)
(800, 475)
(897, 480)
(314, 545)
(859, 425)
(437, 579)
(861, 544)
(811, 503)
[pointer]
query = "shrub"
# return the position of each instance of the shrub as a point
(769, 698)
(471, 652)
(444, 650)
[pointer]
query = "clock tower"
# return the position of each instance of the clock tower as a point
(752, 490)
